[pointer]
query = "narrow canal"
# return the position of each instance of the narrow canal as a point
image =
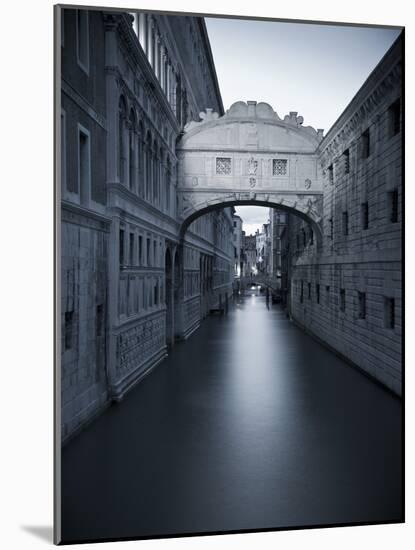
(250, 424)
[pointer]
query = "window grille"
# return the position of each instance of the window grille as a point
(223, 166)
(279, 167)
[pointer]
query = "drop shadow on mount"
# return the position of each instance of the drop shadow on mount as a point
(44, 532)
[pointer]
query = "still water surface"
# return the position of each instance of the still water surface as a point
(250, 424)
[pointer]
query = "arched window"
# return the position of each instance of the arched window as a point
(132, 138)
(122, 114)
(155, 173)
(148, 166)
(162, 179)
(167, 183)
(140, 160)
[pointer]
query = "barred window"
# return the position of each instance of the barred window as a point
(346, 156)
(342, 299)
(223, 166)
(364, 209)
(279, 167)
(389, 315)
(362, 304)
(393, 201)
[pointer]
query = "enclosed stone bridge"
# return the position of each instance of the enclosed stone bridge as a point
(250, 156)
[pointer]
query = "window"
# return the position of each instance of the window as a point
(302, 292)
(311, 236)
(361, 296)
(364, 215)
(68, 330)
(156, 293)
(346, 158)
(140, 250)
(345, 223)
(121, 246)
(84, 165)
(298, 241)
(279, 167)
(394, 112)
(330, 171)
(148, 252)
(389, 312)
(366, 144)
(223, 166)
(331, 229)
(318, 293)
(82, 37)
(393, 206)
(99, 320)
(154, 253)
(304, 237)
(328, 295)
(309, 291)
(131, 255)
(342, 299)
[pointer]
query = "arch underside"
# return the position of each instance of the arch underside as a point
(307, 207)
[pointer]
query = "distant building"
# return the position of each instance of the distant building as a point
(263, 249)
(278, 223)
(249, 255)
(237, 243)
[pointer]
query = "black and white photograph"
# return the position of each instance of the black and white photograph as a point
(229, 282)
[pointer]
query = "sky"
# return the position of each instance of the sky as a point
(312, 69)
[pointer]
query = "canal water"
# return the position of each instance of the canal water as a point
(249, 424)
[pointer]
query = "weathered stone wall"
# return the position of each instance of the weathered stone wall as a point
(84, 244)
(357, 272)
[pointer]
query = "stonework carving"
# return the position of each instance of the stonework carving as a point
(252, 166)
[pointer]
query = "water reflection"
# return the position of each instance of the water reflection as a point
(249, 424)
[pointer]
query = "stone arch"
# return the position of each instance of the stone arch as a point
(199, 210)
(250, 155)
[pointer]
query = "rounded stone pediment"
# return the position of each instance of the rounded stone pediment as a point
(250, 126)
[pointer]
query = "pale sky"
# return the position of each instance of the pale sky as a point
(312, 69)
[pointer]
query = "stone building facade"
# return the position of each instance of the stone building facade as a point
(348, 293)
(131, 284)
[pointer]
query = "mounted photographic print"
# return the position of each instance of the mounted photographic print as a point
(229, 219)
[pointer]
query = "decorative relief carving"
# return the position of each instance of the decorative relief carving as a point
(252, 166)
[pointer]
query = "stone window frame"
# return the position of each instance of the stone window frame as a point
(393, 205)
(346, 160)
(394, 118)
(84, 200)
(389, 312)
(287, 167)
(84, 64)
(342, 300)
(318, 293)
(366, 146)
(364, 215)
(362, 305)
(222, 158)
